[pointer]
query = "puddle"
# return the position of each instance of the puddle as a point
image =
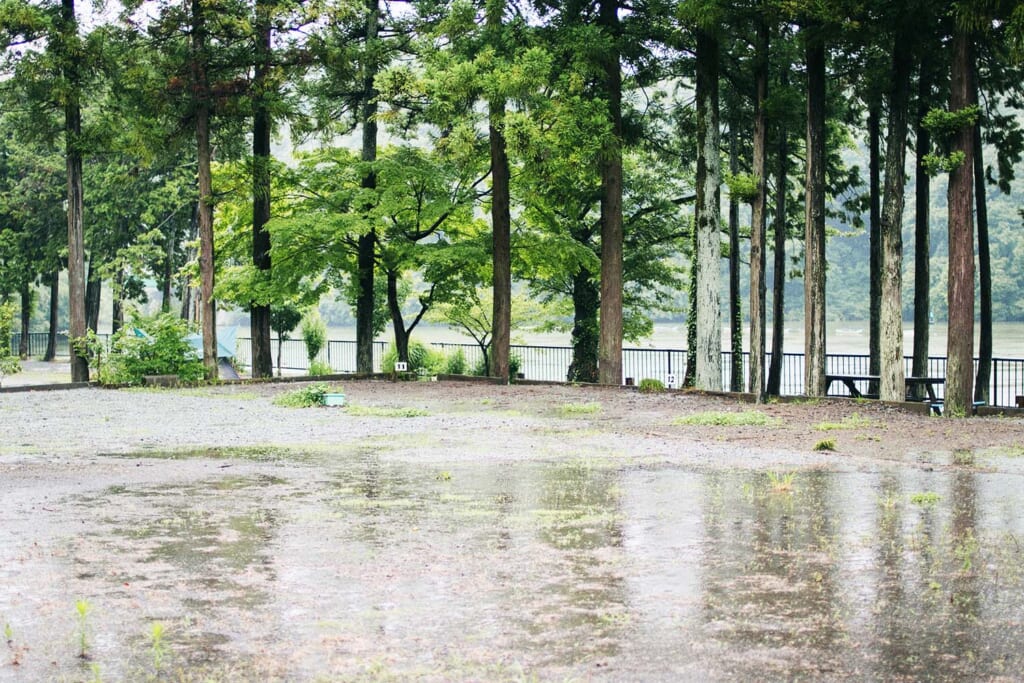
(369, 568)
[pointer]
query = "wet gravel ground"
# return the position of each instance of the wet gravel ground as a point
(458, 531)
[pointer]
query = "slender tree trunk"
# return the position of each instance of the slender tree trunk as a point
(280, 345)
(690, 375)
(892, 387)
(585, 331)
(610, 347)
(397, 322)
(982, 382)
(365, 256)
(501, 224)
(735, 312)
(204, 153)
(117, 302)
(73, 157)
(51, 333)
(814, 221)
(26, 320)
(922, 233)
(709, 315)
(167, 276)
(874, 243)
(960, 290)
(259, 318)
(774, 387)
(93, 296)
(758, 219)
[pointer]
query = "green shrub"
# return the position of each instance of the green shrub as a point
(515, 365)
(455, 363)
(422, 359)
(649, 385)
(318, 368)
(314, 334)
(9, 363)
(147, 345)
(306, 397)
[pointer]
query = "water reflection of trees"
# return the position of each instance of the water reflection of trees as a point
(770, 579)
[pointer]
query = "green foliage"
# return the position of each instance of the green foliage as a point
(284, 319)
(422, 359)
(944, 124)
(455, 363)
(745, 418)
(146, 345)
(825, 445)
(9, 363)
(305, 397)
(743, 186)
(318, 368)
(314, 334)
(925, 499)
(649, 385)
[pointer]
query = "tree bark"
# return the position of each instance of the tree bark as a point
(117, 302)
(690, 374)
(960, 284)
(891, 385)
(814, 221)
(26, 320)
(168, 273)
(501, 225)
(709, 315)
(365, 250)
(51, 332)
(397, 322)
(735, 312)
(585, 331)
(874, 243)
(922, 233)
(758, 218)
(982, 382)
(208, 316)
(610, 345)
(93, 296)
(259, 317)
(73, 158)
(774, 385)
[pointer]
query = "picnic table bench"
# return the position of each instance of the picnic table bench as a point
(912, 384)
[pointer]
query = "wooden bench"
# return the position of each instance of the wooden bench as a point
(851, 384)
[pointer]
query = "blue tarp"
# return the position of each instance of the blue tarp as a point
(226, 337)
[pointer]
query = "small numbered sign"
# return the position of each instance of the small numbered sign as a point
(401, 367)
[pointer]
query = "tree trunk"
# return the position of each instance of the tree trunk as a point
(709, 315)
(397, 322)
(26, 320)
(51, 332)
(365, 250)
(168, 273)
(501, 225)
(874, 244)
(774, 387)
(259, 318)
(610, 347)
(208, 315)
(982, 382)
(735, 313)
(891, 385)
(690, 375)
(814, 221)
(922, 236)
(757, 218)
(73, 157)
(93, 295)
(117, 302)
(960, 285)
(585, 332)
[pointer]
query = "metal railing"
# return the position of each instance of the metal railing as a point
(551, 363)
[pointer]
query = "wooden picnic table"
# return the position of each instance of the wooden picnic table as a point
(851, 381)
(851, 384)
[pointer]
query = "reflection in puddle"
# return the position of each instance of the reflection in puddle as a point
(556, 570)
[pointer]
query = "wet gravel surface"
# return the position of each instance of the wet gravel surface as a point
(461, 531)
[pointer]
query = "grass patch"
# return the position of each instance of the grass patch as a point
(781, 482)
(306, 397)
(855, 421)
(825, 445)
(376, 411)
(649, 385)
(1006, 451)
(745, 418)
(926, 499)
(570, 409)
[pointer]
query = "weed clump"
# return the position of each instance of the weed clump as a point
(649, 385)
(746, 418)
(825, 445)
(306, 397)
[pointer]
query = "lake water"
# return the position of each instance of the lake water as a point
(843, 337)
